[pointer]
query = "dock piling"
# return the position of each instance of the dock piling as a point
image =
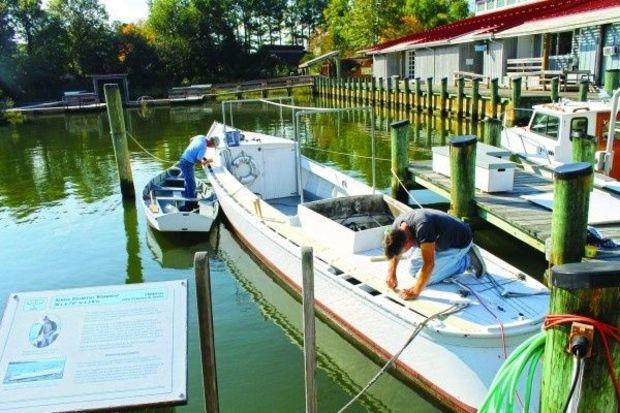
(307, 268)
(555, 89)
(399, 134)
(571, 199)
(612, 80)
(584, 86)
(118, 133)
(516, 98)
(429, 95)
(475, 98)
(462, 176)
(591, 290)
(460, 96)
(418, 93)
(495, 101)
(492, 131)
(443, 99)
(207, 333)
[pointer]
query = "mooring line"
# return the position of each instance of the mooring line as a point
(448, 311)
(147, 152)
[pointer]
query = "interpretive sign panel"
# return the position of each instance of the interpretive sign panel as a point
(94, 348)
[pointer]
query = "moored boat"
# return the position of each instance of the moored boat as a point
(277, 200)
(168, 210)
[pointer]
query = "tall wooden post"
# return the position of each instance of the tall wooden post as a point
(429, 95)
(396, 93)
(555, 89)
(205, 322)
(373, 90)
(592, 290)
(418, 93)
(494, 97)
(388, 91)
(584, 86)
(546, 45)
(443, 98)
(516, 98)
(463, 176)
(400, 159)
(118, 133)
(475, 99)
(492, 131)
(612, 80)
(380, 87)
(407, 100)
(460, 96)
(307, 269)
(571, 199)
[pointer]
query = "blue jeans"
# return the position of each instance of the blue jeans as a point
(188, 174)
(447, 263)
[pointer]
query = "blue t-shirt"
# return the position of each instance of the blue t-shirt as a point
(196, 150)
(430, 225)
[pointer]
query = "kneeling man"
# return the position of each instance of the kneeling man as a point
(444, 244)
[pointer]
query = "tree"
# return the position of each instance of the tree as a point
(432, 13)
(336, 18)
(26, 17)
(368, 19)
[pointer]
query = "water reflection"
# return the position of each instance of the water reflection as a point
(134, 260)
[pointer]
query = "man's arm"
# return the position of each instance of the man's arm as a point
(392, 281)
(428, 264)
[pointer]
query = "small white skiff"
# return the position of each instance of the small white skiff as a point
(278, 201)
(167, 210)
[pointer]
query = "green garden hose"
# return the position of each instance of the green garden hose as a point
(501, 396)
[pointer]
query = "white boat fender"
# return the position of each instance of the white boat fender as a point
(244, 168)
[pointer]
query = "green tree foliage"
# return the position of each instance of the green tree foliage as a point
(432, 13)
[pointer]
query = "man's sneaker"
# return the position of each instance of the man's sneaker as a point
(477, 266)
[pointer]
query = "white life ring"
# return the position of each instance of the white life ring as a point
(244, 168)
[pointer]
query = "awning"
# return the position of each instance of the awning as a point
(319, 59)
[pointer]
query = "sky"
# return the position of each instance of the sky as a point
(126, 10)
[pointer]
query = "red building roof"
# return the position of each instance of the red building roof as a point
(494, 22)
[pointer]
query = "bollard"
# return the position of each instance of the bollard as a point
(307, 269)
(555, 89)
(443, 98)
(205, 323)
(380, 87)
(591, 290)
(400, 159)
(460, 96)
(475, 99)
(494, 97)
(418, 93)
(612, 81)
(407, 98)
(584, 149)
(387, 94)
(373, 90)
(584, 86)
(396, 95)
(571, 198)
(462, 176)
(429, 95)
(492, 131)
(119, 139)
(516, 98)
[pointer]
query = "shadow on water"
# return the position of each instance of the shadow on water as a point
(134, 261)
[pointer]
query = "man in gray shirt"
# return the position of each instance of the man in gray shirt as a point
(443, 242)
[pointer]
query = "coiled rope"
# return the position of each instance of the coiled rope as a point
(450, 310)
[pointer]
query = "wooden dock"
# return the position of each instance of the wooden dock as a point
(509, 212)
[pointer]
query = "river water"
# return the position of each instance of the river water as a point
(63, 225)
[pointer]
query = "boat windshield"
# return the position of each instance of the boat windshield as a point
(546, 125)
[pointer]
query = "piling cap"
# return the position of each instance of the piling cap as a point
(586, 275)
(399, 124)
(464, 140)
(572, 170)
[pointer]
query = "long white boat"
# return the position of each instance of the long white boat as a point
(277, 201)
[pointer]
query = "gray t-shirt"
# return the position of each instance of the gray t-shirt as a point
(429, 225)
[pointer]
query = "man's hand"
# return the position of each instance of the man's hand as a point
(391, 281)
(410, 293)
(206, 161)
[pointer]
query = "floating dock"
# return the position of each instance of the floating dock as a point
(510, 212)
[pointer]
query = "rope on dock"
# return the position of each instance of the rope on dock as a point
(149, 153)
(448, 311)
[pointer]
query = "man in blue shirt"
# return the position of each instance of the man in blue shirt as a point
(193, 154)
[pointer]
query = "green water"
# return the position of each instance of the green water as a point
(63, 225)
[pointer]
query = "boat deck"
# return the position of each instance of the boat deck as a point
(510, 212)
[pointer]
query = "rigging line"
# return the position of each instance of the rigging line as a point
(406, 190)
(448, 311)
(149, 153)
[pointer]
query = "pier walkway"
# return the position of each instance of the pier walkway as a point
(509, 212)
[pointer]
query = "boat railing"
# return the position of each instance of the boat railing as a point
(296, 113)
(541, 148)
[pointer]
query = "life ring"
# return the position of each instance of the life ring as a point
(244, 168)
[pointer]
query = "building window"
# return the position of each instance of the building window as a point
(480, 4)
(561, 43)
(546, 125)
(410, 64)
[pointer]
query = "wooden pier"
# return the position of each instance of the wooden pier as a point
(509, 212)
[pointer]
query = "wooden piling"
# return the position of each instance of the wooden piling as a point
(118, 133)
(396, 92)
(492, 131)
(380, 87)
(443, 98)
(584, 148)
(307, 268)
(612, 80)
(591, 290)
(516, 98)
(418, 93)
(584, 86)
(555, 89)
(207, 334)
(462, 176)
(388, 92)
(475, 99)
(494, 97)
(571, 198)
(429, 94)
(373, 90)
(399, 133)
(460, 96)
